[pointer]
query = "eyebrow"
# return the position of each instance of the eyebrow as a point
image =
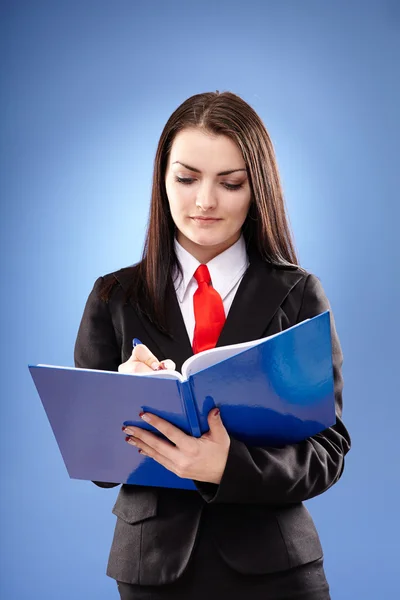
(198, 170)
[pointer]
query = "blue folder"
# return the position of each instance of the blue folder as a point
(277, 391)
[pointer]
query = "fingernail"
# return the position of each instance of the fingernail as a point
(135, 342)
(216, 413)
(154, 366)
(145, 417)
(123, 427)
(128, 437)
(168, 364)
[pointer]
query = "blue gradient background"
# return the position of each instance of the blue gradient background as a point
(86, 88)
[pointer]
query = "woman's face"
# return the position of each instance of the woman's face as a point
(208, 192)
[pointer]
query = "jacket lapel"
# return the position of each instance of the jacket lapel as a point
(259, 296)
(176, 346)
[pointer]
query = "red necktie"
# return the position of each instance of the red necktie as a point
(209, 312)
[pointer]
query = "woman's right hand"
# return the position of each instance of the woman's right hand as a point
(144, 361)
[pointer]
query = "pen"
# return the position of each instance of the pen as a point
(135, 343)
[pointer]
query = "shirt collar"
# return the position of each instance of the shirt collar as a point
(225, 269)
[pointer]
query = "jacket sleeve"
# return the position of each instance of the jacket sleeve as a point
(96, 345)
(295, 472)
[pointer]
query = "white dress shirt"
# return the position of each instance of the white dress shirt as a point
(226, 272)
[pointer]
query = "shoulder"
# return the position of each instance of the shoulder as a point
(117, 283)
(301, 293)
(295, 275)
(292, 283)
(304, 283)
(303, 289)
(283, 275)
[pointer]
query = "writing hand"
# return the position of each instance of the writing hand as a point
(202, 459)
(144, 361)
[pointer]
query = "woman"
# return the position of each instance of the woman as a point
(216, 201)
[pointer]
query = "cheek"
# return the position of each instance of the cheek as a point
(180, 197)
(178, 202)
(176, 205)
(238, 209)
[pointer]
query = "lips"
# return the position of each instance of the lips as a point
(205, 219)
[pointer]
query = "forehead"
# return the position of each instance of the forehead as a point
(205, 151)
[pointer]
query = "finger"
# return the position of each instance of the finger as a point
(145, 439)
(168, 364)
(151, 453)
(134, 366)
(217, 428)
(176, 435)
(142, 354)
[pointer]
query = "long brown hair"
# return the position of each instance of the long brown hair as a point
(266, 228)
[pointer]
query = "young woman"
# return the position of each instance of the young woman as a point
(218, 268)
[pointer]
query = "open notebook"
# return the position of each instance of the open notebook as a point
(272, 391)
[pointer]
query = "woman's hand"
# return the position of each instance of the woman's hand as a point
(202, 459)
(143, 361)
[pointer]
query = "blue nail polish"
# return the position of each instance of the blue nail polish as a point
(135, 342)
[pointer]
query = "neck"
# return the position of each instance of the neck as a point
(206, 253)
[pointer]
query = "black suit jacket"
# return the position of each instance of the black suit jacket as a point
(256, 514)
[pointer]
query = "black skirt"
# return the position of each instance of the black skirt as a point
(208, 577)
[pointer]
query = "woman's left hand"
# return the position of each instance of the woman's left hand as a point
(202, 459)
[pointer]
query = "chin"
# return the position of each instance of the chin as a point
(214, 242)
(207, 240)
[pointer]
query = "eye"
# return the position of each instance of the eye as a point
(232, 186)
(229, 186)
(185, 180)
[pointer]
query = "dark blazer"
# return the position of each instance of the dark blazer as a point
(256, 514)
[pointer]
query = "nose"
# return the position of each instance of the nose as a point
(206, 199)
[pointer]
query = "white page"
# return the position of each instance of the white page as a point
(165, 374)
(208, 358)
